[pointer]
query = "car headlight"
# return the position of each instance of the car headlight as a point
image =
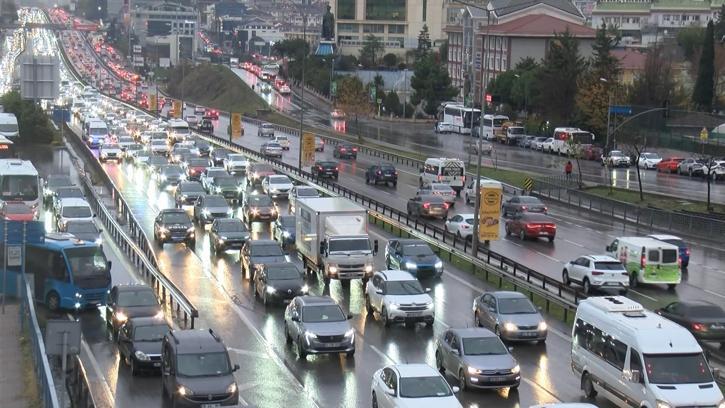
(516, 369)
(304, 289)
(232, 388)
(230, 211)
(141, 356)
(205, 212)
(439, 265)
(190, 229)
(218, 189)
(183, 391)
(473, 371)
(663, 404)
(286, 234)
(510, 327)
(332, 268)
(271, 290)
(255, 175)
(162, 177)
(368, 268)
(393, 306)
(350, 333)
(411, 265)
(255, 211)
(430, 306)
(543, 326)
(239, 189)
(309, 335)
(121, 317)
(99, 241)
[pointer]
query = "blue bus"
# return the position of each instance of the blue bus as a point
(68, 273)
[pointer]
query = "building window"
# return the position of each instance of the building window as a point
(385, 10)
(396, 29)
(346, 9)
(425, 9)
(348, 28)
(373, 28)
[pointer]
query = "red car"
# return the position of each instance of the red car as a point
(531, 225)
(195, 167)
(669, 164)
(591, 152)
(211, 114)
(12, 211)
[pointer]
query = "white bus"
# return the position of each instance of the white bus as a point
(562, 135)
(9, 125)
(19, 181)
(443, 170)
(492, 125)
(636, 358)
(178, 130)
(456, 118)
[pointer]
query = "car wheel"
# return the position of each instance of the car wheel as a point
(587, 286)
(522, 235)
(384, 317)
(53, 301)
(462, 380)
(439, 363)
(565, 278)
(588, 387)
(633, 280)
(375, 401)
(287, 337)
(477, 320)
(301, 353)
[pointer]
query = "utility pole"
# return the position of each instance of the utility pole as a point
(302, 88)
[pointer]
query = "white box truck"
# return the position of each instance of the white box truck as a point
(332, 239)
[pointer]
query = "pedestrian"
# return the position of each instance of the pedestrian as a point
(567, 170)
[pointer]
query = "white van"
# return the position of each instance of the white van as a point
(178, 130)
(442, 170)
(9, 125)
(636, 358)
(648, 260)
(96, 132)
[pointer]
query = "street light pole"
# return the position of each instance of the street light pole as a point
(302, 90)
(486, 42)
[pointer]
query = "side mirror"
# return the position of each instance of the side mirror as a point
(455, 389)
(375, 247)
(322, 247)
(390, 391)
(608, 248)
(109, 264)
(456, 352)
(236, 367)
(379, 291)
(635, 376)
(716, 373)
(511, 349)
(295, 318)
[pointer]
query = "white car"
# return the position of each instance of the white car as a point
(110, 152)
(236, 163)
(285, 90)
(271, 149)
(398, 297)
(277, 185)
(442, 127)
(617, 159)
(158, 146)
(461, 225)
(469, 192)
(547, 146)
(596, 271)
(72, 209)
(300, 192)
(412, 385)
(283, 141)
(192, 120)
(717, 171)
(649, 160)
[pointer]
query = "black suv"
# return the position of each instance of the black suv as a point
(196, 370)
(382, 173)
(127, 301)
(187, 192)
(345, 151)
(325, 168)
(139, 343)
(279, 281)
(217, 156)
(259, 252)
(228, 233)
(174, 225)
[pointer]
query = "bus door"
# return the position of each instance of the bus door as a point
(49, 273)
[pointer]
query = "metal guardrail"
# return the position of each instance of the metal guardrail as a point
(76, 383)
(29, 322)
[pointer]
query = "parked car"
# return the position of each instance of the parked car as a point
(510, 315)
(649, 160)
(616, 159)
(228, 233)
(317, 325)
(526, 141)
(538, 143)
(705, 320)
(691, 167)
(547, 146)
(382, 173)
(325, 169)
(596, 272)
(531, 225)
(669, 164)
(345, 151)
(522, 203)
(428, 206)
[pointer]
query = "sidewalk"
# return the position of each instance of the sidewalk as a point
(12, 375)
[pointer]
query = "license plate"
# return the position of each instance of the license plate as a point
(529, 334)
(333, 345)
(414, 314)
(157, 364)
(543, 233)
(210, 405)
(496, 379)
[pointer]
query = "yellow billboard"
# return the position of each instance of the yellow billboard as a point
(489, 210)
(237, 125)
(308, 149)
(153, 102)
(176, 109)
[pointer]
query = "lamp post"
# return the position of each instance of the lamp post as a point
(302, 88)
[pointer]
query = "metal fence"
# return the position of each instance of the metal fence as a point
(77, 385)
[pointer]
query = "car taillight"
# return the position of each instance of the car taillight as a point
(379, 173)
(440, 178)
(531, 226)
(354, 149)
(687, 251)
(553, 226)
(319, 167)
(445, 205)
(546, 209)
(642, 261)
(396, 173)
(597, 273)
(698, 327)
(426, 205)
(524, 208)
(337, 169)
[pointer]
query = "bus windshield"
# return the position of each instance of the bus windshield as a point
(18, 187)
(88, 266)
(582, 137)
(98, 131)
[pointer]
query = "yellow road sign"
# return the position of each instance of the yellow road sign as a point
(489, 210)
(153, 103)
(308, 149)
(176, 110)
(236, 125)
(704, 134)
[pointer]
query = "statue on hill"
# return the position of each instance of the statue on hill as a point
(328, 25)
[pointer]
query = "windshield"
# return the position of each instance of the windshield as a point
(197, 162)
(677, 242)
(191, 188)
(307, 192)
(17, 208)
(180, 129)
(515, 306)
(343, 245)
(417, 250)
(150, 333)
(14, 187)
(172, 171)
(158, 142)
(231, 227)
(677, 369)
(529, 200)
(215, 201)
(608, 266)
(202, 364)
(111, 147)
(99, 131)
(498, 122)
(424, 387)
(260, 201)
(266, 250)
(74, 227)
(236, 157)
(87, 263)
(650, 155)
(125, 139)
(76, 212)
(225, 181)
(286, 272)
(287, 221)
(141, 297)
(175, 218)
(403, 288)
(263, 168)
(321, 314)
(279, 180)
(516, 130)
(483, 346)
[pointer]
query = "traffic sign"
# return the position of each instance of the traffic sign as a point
(623, 110)
(528, 184)
(236, 125)
(704, 134)
(308, 149)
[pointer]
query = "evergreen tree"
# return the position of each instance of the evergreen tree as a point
(424, 43)
(558, 77)
(702, 94)
(431, 83)
(720, 25)
(371, 51)
(602, 63)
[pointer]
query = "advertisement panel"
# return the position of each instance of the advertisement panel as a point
(153, 103)
(176, 109)
(308, 149)
(236, 125)
(489, 212)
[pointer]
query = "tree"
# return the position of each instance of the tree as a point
(378, 81)
(602, 63)
(656, 84)
(431, 83)
(558, 77)
(33, 123)
(390, 60)
(443, 51)
(637, 142)
(291, 48)
(702, 94)
(502, 86)
(424, 43)
(353, 98)
(346, 63)
(720, 25)
(371, 51)
(391, 102)
(690, 39)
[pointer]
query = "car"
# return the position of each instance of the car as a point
(485, 146)
(190, 144)
(596, 272)
(132, 151)
(325, 169)
(236, 164)
(649, 160)
(169, 175)
(531, 226)
(439, 189)
(412, 385)
(16, 211)
(212, 114)
(228, 233)
(382, 173)
(158, 146)
(443, 127)
(616, 159)
(285, 89)
(54, 182)
(523, 203)
(196, 363)
(277, 186)
(208, 208)
(684, 249)
(109, 151)
(510, 315)
(413, 256)
(187, 192)
(337, 114)
(271, 149)
(203, 148)
(705, 320)
(300, 192)
(279, 281)
(397, 297)
(154, 163)
(590, 152)
(124, 142)
(477, 358)
(460, 225)
(547, 146)
(126, 301)
(283, 230)
(282, 140)
(716, 170)
(428, 206)
(179, 153)
(64, 192)
(669, 164)
(207, 178)
(85, 230)
(206, 127)
(140, 341)
(265, 130)
(72, 209)
(258, 208)
(217, 156)
(691, 167)
(317, 325)
(174, 225)
(345, 151)
(199, 110)
(319, 144)
(194, 167)
(537, 143)
(256, 172)
(525, 141)
(257, 252)
(227, 186)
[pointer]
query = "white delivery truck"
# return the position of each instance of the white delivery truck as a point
(332, 239)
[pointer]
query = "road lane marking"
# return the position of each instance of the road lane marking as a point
(383, 355)
(643, 295)
(97, 368)
(249, 353)
(714, 293)
(574, 243)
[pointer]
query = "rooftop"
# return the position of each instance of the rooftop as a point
(504, 7)
(630, 60)
(396, 275)
(416, 370)
(193, 341)
(541, 25)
